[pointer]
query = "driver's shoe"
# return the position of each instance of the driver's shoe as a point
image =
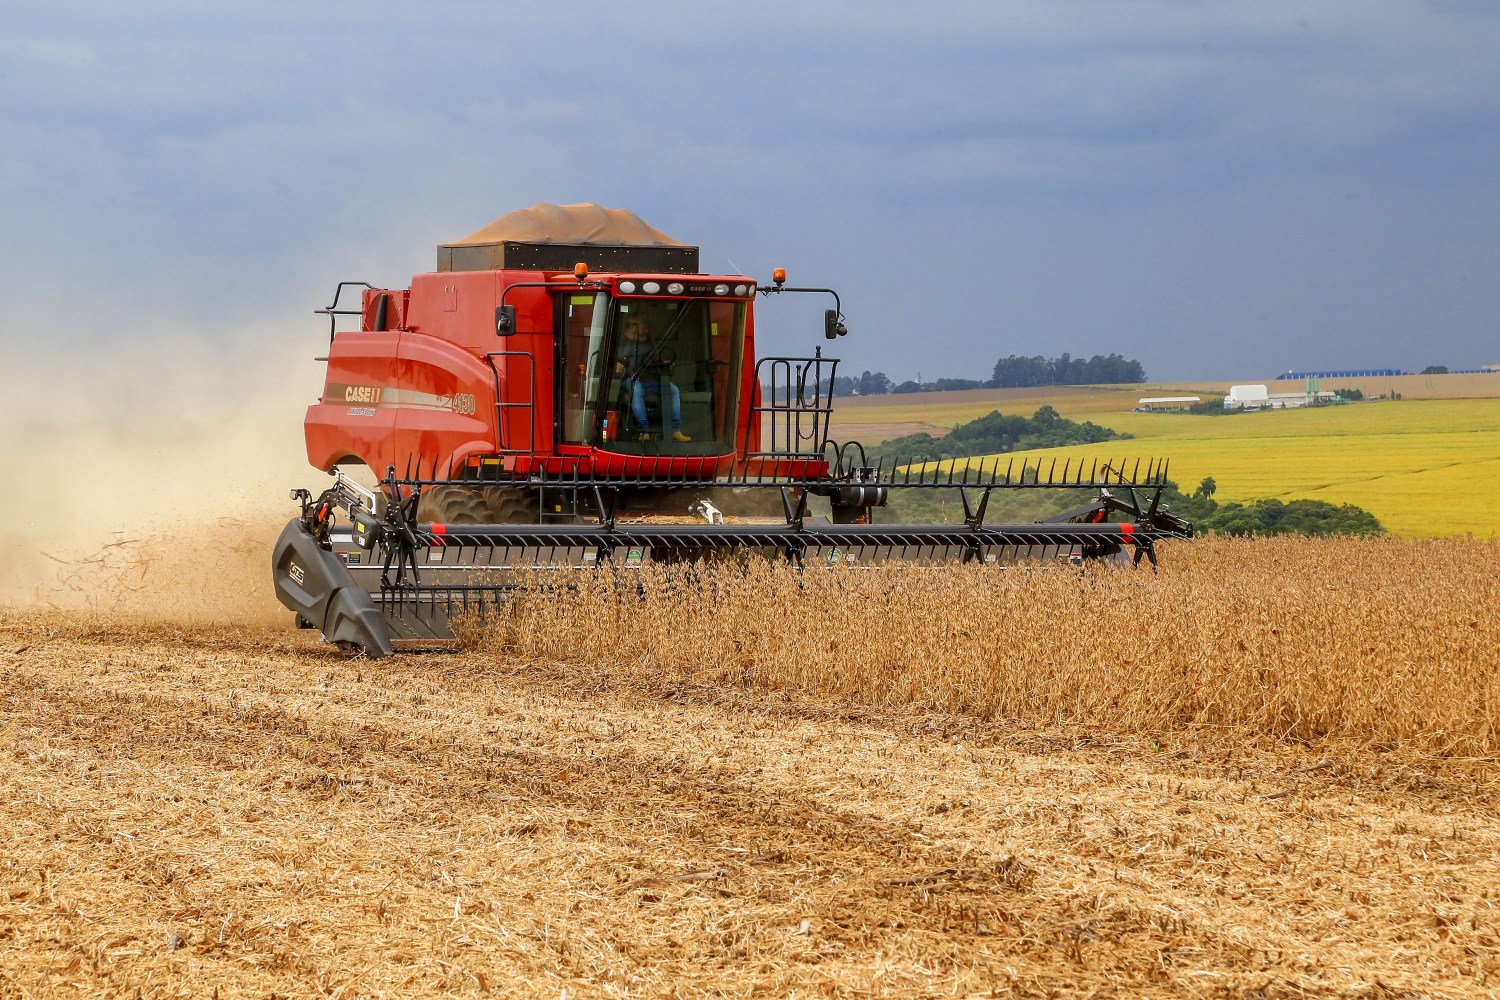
(680, 437)
(645, 436)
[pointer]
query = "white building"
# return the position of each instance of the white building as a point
(1255, 397)
(1246, 397)
(1166, 404)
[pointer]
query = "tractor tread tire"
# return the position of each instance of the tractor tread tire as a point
(477, 505)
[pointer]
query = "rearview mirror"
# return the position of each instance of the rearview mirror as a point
(833, 328)
(505, 321)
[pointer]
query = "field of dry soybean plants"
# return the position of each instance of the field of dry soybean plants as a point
(1268, 770)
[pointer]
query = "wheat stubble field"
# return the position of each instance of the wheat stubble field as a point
(1267, 771)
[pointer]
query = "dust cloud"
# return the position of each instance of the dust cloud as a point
(152, 481)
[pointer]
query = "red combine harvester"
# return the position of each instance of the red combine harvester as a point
(566, 389)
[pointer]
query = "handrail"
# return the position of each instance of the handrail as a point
(501, 404)
(798, 421)
(332, 310)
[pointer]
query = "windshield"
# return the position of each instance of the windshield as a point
(652, 376)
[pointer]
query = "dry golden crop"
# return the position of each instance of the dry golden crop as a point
(1380, 641)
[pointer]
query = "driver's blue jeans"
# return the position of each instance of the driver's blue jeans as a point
(638, 402)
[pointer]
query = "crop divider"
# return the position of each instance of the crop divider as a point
(974, 516)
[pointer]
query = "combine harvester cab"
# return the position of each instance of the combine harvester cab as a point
(567, 390)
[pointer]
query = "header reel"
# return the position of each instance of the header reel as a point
(383, 577)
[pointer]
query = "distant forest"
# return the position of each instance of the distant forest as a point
(996, 433)
(1009, 372)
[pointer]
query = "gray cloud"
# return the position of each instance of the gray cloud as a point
(1215, 188)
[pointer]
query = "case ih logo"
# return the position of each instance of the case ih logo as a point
(361, 393)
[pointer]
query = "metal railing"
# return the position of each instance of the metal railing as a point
(795, 407)
(502, 404)
(332, 310)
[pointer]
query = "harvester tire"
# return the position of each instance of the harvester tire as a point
(477, 505)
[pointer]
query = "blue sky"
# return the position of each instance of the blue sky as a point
(1219, 189)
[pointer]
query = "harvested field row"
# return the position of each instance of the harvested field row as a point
(261, 818)
(589, 799)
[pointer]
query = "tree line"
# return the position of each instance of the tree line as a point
(1268, 517)
(1010, 372)
(996, 433)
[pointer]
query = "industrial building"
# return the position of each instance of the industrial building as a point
(1255, 397)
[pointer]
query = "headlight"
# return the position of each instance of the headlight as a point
(721, 289)
(651, 287)
(675, 288)
(741, 289)
(627, 287)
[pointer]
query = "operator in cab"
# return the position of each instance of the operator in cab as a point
(642, 362)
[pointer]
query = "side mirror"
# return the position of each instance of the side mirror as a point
(505, 321)
(832, 327)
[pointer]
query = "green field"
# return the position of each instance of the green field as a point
(1423, 467)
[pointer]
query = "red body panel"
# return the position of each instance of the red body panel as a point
(422, 395)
